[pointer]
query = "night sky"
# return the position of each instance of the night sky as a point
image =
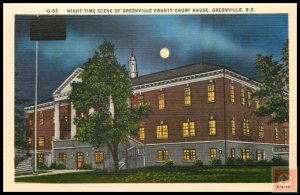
(229, 40)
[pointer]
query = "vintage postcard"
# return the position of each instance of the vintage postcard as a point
(150, 97)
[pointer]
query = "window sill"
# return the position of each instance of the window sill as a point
(160, 161)
(188, 161)
(212, 134)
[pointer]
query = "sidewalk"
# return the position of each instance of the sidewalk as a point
(54, 172)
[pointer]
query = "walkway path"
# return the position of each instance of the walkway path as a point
(54, 172)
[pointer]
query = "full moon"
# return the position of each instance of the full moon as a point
(164, 53)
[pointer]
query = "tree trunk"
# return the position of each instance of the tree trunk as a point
(115, 158)
(114, 153)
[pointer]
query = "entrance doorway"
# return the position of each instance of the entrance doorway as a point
(79, 159)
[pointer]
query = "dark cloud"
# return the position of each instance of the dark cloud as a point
(230, 40)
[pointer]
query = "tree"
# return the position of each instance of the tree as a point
(20, 129)
(105, 87)
(275, 84)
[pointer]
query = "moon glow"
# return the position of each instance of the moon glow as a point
(164, 53)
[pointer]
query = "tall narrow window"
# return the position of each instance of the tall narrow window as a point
(232, 152)
(249, 98)
(187, 96)
(140, 99)
(99, 157)
(52, 139)
(162, 155)
(162, 131)
(231, 93)
(211, 92)
(161, 100)
(30, 121)
(246, 130)
(276, 132)
(189, 154)
(41, 118)
(285, 135)
(213, 153)
(260, 130)
(232, 126)
(66, 118)
(245, 154)
(188, 129)
(260, 155)
(29, 141)
(142, 132)
(212, 126)
(243, 96)
(62, 156)
(41, 141)
(257, 103)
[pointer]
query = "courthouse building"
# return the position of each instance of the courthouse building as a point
(198, 111)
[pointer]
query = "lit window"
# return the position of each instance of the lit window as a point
(257, 103)
(62, 156)
(188, 129)
(187, 96)
(243, 96)
(232, 153)
(41, 118)
(52, 139)
(232, 126)
(212, 126)
(249, 98)
(142, 133)
(260, 155)
(245, 154)
(189, 154)
(53, 118)
(162, 131)
(30, 121)
(161, 100)
(41, 141)
(29, 141)
(40, 158)
(66, 118)
(246, 130)
(99, 157)
(213, 153)
(260, 130)
(140, 99)
(162, 155)
(276, 132)
(211, 92)
(231, 93)
(285, 135)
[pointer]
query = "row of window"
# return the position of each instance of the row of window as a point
(190, 154)
(30, 121)
(41, 141)
(62, 157)
(211, 96)
(188, 129)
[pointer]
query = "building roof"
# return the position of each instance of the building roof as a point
(181, 71)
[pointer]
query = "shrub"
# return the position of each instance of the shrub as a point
(86, 165)
(18, 159)
(198, 163)
(230, 161)
(249, 161)
(53, 165)
(216, 161)
(169, 163)
(278, 161)
(41, 166)
(60, 166)
(239, 161)
(262, 162)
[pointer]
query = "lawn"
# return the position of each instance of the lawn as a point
(206, 174)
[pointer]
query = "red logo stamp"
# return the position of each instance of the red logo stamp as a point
(284, 179)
